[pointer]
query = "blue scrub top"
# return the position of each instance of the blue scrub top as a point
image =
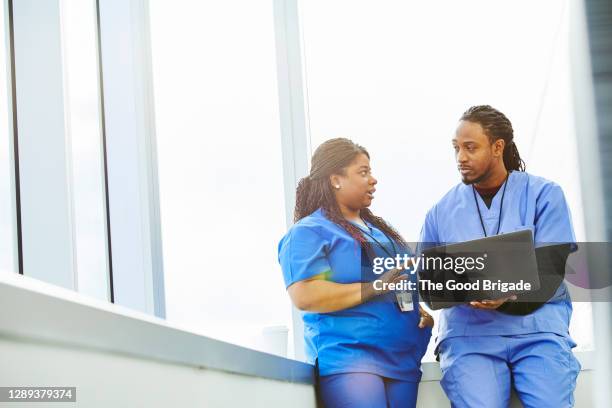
(373, 337)
(530, 202)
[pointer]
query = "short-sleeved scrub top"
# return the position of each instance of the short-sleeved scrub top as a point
(375, 336)
(530, 202)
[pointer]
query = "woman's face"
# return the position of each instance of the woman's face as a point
(356, 184)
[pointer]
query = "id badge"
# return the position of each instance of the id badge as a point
(404, 301)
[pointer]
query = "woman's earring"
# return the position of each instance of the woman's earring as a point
(337, 186)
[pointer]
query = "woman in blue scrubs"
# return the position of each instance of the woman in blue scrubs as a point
(367, 350)
(488, 346)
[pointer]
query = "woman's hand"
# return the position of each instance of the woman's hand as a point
(380, 286)
(392, 276)
(426, 319)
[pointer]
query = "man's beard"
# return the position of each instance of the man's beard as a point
(480, 178)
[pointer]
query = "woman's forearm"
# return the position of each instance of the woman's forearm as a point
(322, 296)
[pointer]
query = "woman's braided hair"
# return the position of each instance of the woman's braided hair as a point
(497, 126)
(315, 190)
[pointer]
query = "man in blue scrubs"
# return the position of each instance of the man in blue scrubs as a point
(484, 350)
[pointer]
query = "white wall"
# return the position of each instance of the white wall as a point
(109, 380)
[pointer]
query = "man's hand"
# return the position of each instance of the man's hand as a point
(426, 319)
(491, 304)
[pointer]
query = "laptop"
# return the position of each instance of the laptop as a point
(487, 268)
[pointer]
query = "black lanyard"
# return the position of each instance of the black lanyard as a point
(501, 206)
(381, 246)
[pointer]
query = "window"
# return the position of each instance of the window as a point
(8, 261)
(61, 180)
(220, 170)
(84, 131)
(398, 75)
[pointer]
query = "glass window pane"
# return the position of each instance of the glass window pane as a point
(7, 199)
(219, 163)
(82, 104)
(60, 162)
(399, 87)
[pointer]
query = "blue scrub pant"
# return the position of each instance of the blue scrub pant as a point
(478, 371)
(366, 390)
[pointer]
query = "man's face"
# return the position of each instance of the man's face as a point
(474, 152)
